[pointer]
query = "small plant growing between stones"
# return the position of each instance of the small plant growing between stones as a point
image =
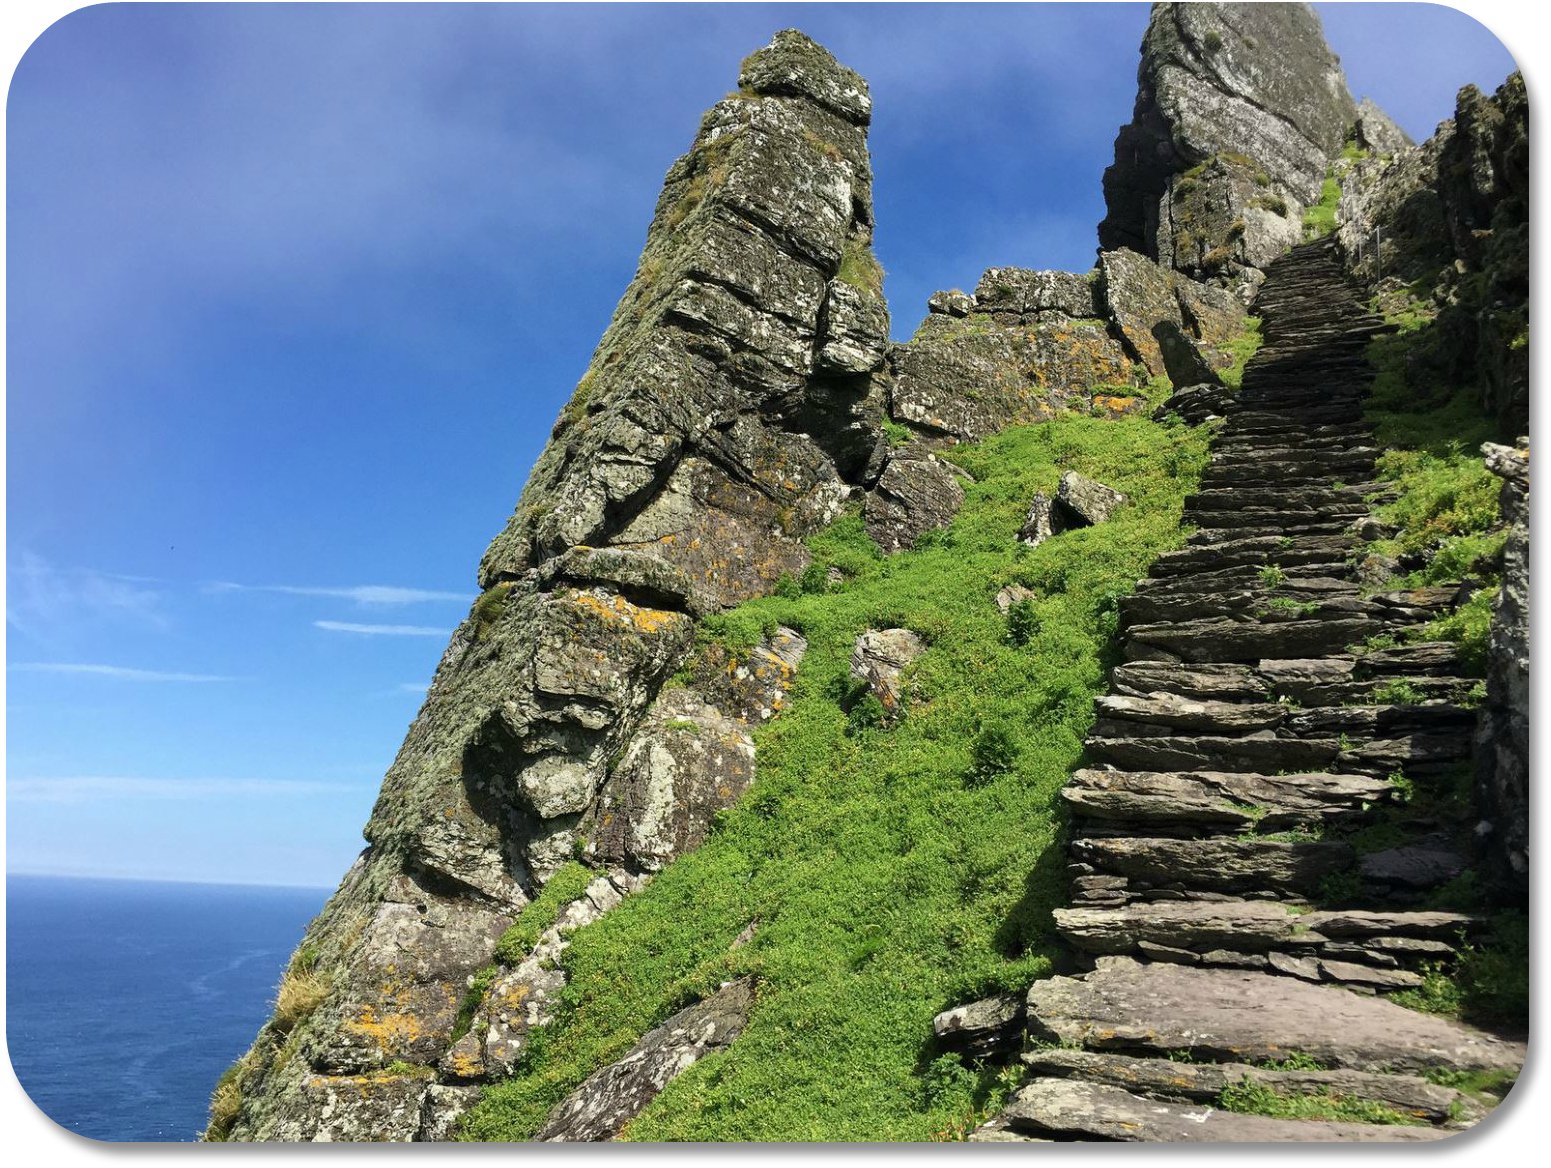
(301, 991)
(1399, 692)
(866, 713)
(1272, 576)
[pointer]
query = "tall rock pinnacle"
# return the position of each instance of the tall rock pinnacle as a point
(728, 411)
(1239, 110)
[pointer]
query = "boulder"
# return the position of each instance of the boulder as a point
(916, 493)
(880, 658)
(1083, 502)
(1197, 404)
(1182, 361)
(950, 303)
(990, 1027)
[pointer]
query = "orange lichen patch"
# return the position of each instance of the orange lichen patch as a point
(392, 1032)
(463, 1065)
(616, 609)
(513, 998)
(1114, 403)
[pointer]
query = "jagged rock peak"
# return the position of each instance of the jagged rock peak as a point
(794, 65)
(1250, 101)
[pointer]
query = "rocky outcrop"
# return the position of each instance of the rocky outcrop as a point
(1078, 502)
(916, 493)
(1451, 216)
(1502, 739)
(728, 411)
(1239, 110)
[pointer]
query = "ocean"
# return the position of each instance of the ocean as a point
(125, 1000)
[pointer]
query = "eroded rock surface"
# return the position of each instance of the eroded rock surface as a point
(728, 412)
(601, 1107)
(1239, 110)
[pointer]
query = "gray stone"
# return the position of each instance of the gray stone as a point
(1084, 502)
(950, 303)
(880, 658)
(1205, 1083)
(916, 493)
(1071, 1109)
(1244, 1016)
(1039, 524)
(990, 1027)
(1502, 739)
(612, 1097)
(1182, 361)
(855, 330)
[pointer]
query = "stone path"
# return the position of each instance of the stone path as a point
(1227, 920)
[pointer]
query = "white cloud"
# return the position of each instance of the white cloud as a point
(414, 687)
(368, 594)
(117, 672)
(83, 789)
(382, 630)
(51, 604)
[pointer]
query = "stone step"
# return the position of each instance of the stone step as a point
(1416, 754)
(1410, 1095)
(1069, 1109)
(1258, 552)
(1246, 1016)
(1220, 801)
(1266, 755)
(1264, 926)
(1221, 865)
(1226, 640)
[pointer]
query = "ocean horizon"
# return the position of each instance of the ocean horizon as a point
(126, 999)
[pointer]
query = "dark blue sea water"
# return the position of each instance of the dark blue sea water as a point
(126, 1000)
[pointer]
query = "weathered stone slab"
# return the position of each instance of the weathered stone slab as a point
(1069, 1108)
(1232, 866)
(610, 1098)
(1253, 926)
(1204, 1082)
(991, 1026)
(1236, 1015)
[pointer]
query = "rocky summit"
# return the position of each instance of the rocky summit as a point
(1102, 716)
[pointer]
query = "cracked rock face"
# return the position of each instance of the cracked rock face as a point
(728, 412)
(1239, 109)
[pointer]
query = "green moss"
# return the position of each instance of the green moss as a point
(478, 986)
(886, 888)
(539, 914)
(897, 433)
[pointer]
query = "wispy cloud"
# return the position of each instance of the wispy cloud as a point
(97, 788)
(367, 594)
(414, 687)
(381, 630)
(116, 672)
(48, 603)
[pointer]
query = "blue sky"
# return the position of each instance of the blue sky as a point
(295, 293)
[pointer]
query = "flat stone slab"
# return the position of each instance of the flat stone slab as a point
(1245, 1016)
(1065, 1107)
(1204, 1082)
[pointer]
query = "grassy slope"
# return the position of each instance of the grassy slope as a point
(887, 882)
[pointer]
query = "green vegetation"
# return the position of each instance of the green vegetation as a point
(1488, 985)
(860, 268)
(1241, 349)
(488, 608)
(539, 914)
(891, 871)
(1320, 218)
(1260, 1099)
(897, 433)
(1446, 511)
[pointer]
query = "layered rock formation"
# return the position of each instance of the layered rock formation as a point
(728, 412)
(1239, 110)
(746, 392)
(1451, 217)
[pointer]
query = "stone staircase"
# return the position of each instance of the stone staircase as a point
(1237, 936)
